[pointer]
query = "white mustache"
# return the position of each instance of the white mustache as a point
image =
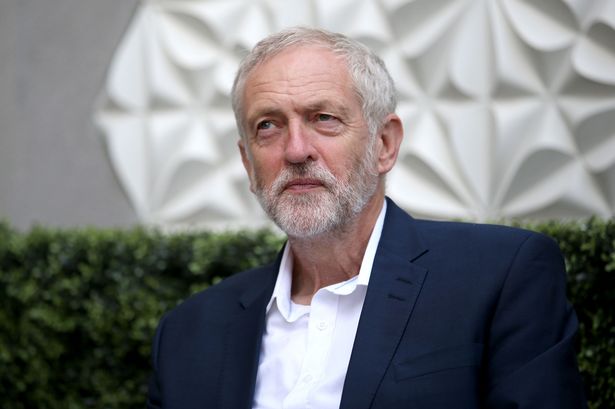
(303, 170)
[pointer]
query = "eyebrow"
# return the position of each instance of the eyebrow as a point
(326, 105)
(265, 111)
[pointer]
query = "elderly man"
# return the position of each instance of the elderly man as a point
(365, 307)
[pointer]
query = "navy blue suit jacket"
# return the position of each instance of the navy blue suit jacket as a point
(456, 316)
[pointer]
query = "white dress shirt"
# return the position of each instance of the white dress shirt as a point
(306, 348)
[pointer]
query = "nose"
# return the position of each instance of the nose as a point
(299, 146)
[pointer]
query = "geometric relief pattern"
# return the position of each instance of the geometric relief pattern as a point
(508, 105)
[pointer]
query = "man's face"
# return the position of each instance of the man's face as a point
(307, 149)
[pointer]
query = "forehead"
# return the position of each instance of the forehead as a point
(305, 71)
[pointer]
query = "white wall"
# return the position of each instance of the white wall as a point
(509, 105)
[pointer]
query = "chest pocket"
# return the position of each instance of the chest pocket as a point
(439, 360)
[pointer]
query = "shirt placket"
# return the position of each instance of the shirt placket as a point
(321, 323)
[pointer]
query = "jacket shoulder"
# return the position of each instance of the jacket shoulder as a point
(477, 234)
(402, 232)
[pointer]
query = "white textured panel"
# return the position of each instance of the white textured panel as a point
(508, 105)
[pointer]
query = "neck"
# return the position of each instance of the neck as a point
(332, 257)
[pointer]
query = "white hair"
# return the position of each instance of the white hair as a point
(371, 80)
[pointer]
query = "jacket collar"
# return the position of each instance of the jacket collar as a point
(394, 287)
(263, 288)
(243, 338)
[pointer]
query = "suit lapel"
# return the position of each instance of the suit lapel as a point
(394, 286)
(243, 342)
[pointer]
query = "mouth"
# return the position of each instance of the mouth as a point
(303, 185)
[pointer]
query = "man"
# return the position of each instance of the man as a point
(365, 307)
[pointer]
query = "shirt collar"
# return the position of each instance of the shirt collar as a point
(281, 291)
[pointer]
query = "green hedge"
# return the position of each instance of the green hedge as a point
(78, 308)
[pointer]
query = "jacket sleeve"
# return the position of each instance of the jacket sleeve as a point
(531, 360)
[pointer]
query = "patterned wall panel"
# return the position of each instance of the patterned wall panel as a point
(508, 105)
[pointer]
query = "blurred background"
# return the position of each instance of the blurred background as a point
(117, 113)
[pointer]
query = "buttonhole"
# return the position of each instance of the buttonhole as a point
(396, 297)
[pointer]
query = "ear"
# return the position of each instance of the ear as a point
(390, 137)
(247, 163)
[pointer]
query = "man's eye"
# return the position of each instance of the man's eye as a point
(264, 125)
(325, 117)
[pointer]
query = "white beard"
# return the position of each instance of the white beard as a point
(311, 214)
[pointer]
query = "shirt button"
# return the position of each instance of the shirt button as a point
(307, 379)
(322, 325)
